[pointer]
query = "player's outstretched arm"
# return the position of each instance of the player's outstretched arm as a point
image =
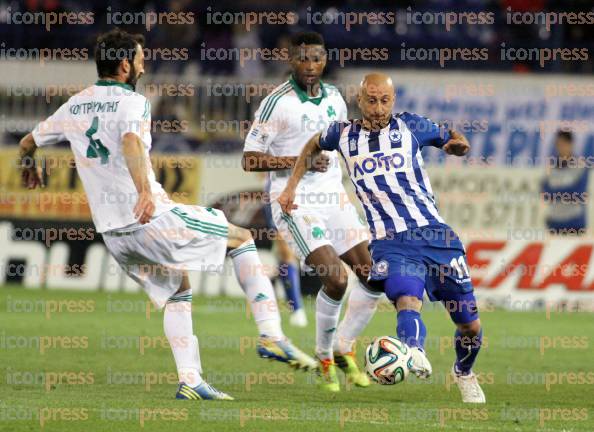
(458, 145)
(287, 197)
(31, 174)
(134, 154)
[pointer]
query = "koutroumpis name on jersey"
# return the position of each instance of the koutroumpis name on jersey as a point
(379, 163)
(94, 107)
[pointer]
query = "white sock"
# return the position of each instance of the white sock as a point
(258, 289)
(177, 322)
(361, 306)
(327, 314)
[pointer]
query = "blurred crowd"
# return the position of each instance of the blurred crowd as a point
(316, 15)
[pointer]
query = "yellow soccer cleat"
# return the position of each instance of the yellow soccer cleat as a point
(348, 364)
(284, 351)
(327, 378)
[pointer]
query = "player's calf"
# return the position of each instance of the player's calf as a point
(332, 272)
(468, 340)
(260, 294)
(406, 293)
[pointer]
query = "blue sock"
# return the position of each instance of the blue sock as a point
(467, 348)
(411, 329)
(290, 276)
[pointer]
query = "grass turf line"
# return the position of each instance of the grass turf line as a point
(104, 364)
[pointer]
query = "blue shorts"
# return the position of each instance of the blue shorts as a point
(434, 254)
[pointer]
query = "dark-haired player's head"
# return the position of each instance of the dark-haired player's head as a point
(564, 144)
(119, 56)
(308, 59)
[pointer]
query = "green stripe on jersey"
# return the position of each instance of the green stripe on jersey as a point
(272, 95)
(271, 102)
(147, 110)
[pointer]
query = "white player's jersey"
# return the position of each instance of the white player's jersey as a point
(286, 119)
(94, 122)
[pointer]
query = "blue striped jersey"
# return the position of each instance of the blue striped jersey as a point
(387, 170)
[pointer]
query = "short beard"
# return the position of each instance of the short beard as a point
(132, 78)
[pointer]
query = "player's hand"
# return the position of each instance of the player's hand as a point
(145, 207)
(319, 162)
(287, 200)
(31, 174)
(458, 145)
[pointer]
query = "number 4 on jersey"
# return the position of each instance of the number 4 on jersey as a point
(96, 149)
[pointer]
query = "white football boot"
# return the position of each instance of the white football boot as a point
(469, 387)
(421, 366)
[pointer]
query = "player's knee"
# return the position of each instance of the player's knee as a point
(472, 328)
(336, 285)
(408, 302)
(362, 272)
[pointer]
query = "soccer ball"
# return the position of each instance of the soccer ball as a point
(388, 360)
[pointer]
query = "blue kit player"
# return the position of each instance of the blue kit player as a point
(412, 249)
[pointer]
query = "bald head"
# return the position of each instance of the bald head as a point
(376, 100)
(374, 80)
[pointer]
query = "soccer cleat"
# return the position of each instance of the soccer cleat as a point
(348, 364)
(469, 387)
(203, 391)
(327, 378)
(298, 318)
(284, 351)
(420, 365)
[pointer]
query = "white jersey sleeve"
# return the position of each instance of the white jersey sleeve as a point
(135, 118)
(268, 124)
(343, 111)
(53, 129)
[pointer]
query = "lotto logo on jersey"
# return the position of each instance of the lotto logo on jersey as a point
(378, 161)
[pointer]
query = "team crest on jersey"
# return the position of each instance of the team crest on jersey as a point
(317, 232)
(380, 268)
(395, 136)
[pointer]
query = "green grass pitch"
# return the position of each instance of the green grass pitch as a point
(75, 361)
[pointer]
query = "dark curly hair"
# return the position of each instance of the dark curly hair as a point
(113, 47)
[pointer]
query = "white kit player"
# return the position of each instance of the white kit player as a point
(154, 239)
(326, 229)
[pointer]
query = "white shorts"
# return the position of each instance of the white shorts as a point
(308, 228)
(157, 255)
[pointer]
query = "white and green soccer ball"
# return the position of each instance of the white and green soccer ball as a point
(388, 360)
